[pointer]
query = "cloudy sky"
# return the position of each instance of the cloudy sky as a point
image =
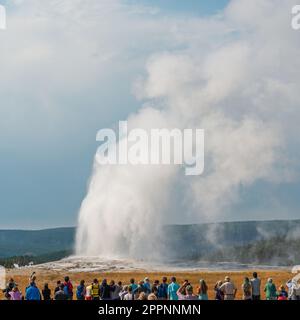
(69, 68)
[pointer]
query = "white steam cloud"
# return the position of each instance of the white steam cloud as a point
(237, 78)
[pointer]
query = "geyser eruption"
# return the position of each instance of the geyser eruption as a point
(232, 89)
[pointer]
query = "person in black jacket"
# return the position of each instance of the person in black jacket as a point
(46, 292)
(105, 290)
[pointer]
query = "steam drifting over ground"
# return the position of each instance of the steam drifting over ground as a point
(234, 79)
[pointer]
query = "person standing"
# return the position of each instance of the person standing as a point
(115, 289)
(105, 290)
(246, 288)
(32, 292)
(15, 293)
(60, 294)
(163, 289)
(147, 285)
(88, 292)
(185, 292)
(255, 286)
(282, 293)
(229, 289)
(270, 290)
(81, 291)
(57, 288)
(129, 295)
(293, 290)
(202, 290)
(172, 289)
(68, 288)
(95, 290)
(46, 292)
(133, 285)
(218, 293)
(9, 288)
(124, 292)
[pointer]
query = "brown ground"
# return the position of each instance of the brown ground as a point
(21, 277)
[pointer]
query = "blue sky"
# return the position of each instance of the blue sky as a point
(196, 7)
(52, 112)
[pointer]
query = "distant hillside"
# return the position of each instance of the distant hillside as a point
(33, 243)
(261, 242)
(265, 242)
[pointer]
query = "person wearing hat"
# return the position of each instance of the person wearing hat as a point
(228, 288)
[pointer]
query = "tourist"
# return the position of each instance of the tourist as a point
(81, 291)
(172, 289)
(133, 285)
(185, 292)
(115, 290)
(142, 296)
(88, 292)
(270, 290)
(57, 288)
(152, 296)
(95, 290)
(228, 288)
(130, 294)
(105, 290)
(219, 295)
(202, 290)
(293, 290)
(9, 287)
(68, 288)
(32, 292)
(147, 285)
(46, 292)
(246, 289)
(255, 286)
(123, 292)
(163, 289)
(141, 287)
(15, 293)
(32, 278)
(60, 294)
(154, 291)
(282, 293)
(155, 284)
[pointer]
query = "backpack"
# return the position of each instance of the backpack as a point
(79, 292)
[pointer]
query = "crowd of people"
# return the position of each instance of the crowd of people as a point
(156, 290)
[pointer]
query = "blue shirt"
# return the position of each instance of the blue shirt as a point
(172, 290)
(33, 293)
(134, 287)
(147, 287)
(163, 290)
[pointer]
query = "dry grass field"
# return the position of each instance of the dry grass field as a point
(21, 276)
